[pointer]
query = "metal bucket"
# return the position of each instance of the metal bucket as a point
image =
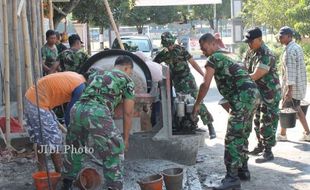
(173, 178)
(153, 182)
(88, 179)
(288, 118)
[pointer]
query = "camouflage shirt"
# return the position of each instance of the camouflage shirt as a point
(72, 60)
(177, 60)
(269, 84)
(233, 82)
(61, 47)
(49, 56)
(108, 88)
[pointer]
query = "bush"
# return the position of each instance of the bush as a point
(306, 48)
(277, 49)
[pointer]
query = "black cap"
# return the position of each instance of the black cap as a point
(252, 34)
(285, 30)
(73, 38)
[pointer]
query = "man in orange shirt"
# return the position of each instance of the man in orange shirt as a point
(52, 90)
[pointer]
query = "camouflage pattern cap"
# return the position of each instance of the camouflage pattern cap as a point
(167, 39)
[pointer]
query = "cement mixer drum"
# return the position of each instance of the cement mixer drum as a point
(104, 60)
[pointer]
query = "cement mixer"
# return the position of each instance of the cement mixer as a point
(159, 142)
(141, 76)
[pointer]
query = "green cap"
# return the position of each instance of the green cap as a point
(167, 39)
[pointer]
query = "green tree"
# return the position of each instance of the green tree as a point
(300, 17)
(94, 12)
(267, 12)
(63, 9)
(138, 16)
(206, 12)
(165, 15)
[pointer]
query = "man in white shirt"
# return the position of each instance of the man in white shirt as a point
(294, 79)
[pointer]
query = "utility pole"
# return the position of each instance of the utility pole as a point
(215, 20)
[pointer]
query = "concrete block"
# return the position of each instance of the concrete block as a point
(181, 149)
(136, 125)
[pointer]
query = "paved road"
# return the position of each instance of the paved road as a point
(289, 170)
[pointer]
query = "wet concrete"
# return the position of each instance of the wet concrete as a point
(181, 149)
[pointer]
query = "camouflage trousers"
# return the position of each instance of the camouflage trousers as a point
(187, 85)
(92, 125)
(266, 123)
(257, 124)
(238, 131)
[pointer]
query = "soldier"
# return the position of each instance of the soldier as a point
(60, 46)
(183, 81)
(259, 147)
(261, 63)
(91, 118)
(73, 58)
(236, 86)
(51, 92)
(50, 53)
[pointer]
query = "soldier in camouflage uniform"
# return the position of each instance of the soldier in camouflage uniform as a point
(92, 124)
(73, 59)
(261, 63)
(177, 58)
(259, 147)
(236, 86)
(60, 46)
(50, 53)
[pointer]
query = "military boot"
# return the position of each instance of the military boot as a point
(230, 182)
(258, 149)
(267, 156)
(244, 173)
(212, 133)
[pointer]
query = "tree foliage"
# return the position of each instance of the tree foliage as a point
(66, 8)
(165, 15)
(206, 12)
(138, 16)
(94, 11)
(300, 17)
(272, 13)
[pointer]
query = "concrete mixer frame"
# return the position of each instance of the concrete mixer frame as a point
(166, 131)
